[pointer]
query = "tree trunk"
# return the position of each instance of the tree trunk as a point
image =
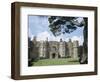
(84, 57)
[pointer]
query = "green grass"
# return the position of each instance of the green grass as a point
(61, 61)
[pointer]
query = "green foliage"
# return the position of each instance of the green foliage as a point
(60, 25)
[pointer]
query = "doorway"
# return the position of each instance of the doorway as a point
(53, 55)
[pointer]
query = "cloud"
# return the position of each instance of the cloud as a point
(53, 38)
(42, 36)
(38, 24)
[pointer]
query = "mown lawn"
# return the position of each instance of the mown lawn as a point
(61, 61)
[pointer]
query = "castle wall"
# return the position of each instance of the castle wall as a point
(75, 50)
(43, 49)
(70, 48)
(54, 49)
(34, 53)
(62, 49)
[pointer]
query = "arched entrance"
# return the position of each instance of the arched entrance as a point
(53, 55)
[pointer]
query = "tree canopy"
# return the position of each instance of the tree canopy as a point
(60, 25)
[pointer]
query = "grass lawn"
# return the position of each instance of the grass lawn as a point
(61, 61)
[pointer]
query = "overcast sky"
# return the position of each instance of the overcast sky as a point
(38, 26)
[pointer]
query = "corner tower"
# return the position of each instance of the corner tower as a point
(62, 48)
(75, 49)
(70, 48)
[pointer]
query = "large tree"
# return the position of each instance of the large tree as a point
(62, 25)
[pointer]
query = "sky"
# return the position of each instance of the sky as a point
(38, 26)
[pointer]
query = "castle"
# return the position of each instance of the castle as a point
(53, 49)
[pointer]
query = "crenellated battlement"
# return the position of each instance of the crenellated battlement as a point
(55, 49)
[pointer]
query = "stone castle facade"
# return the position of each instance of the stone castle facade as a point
(53, 49)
